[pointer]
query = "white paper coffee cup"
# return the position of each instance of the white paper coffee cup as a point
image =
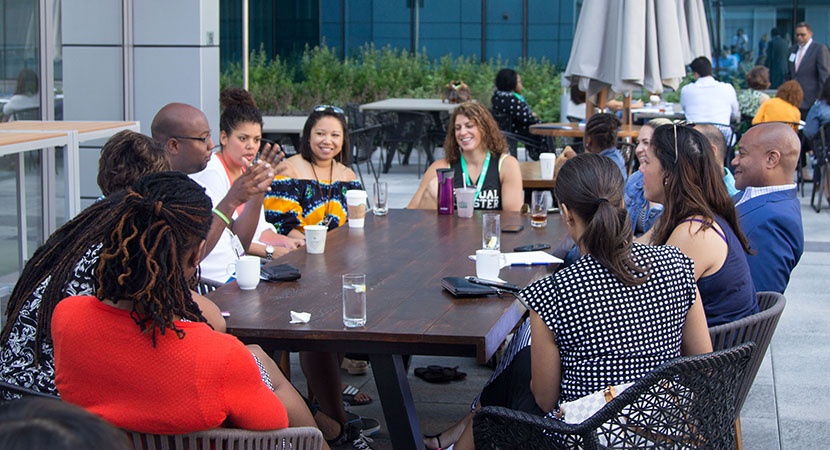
(315, 239)
(356, 204)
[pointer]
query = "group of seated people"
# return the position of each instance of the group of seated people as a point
(109, 296)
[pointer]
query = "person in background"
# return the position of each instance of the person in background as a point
(507, 99)
(46, 423)
(757, 80)
(574, 351)
(25, 96)
(819, 114)
(642, 213)
(783, 107)
(718, 146)
(777, 58)
(240, 135)
(144, 319)
(476, 150)
(708, 100)
(769, 210)
(126, 157)
(601, 138)
(809, 65)
(699, 218)
(762, 50)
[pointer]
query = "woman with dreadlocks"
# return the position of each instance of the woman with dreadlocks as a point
(64, 265)
(155, 338)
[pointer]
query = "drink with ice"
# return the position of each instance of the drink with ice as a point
(354, 300)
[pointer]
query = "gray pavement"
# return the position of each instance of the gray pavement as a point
(786, 408)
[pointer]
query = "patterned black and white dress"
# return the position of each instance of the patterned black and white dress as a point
(20, 362)
(607, 333)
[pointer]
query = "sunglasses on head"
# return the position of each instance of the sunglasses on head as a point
(675, 124)
(321, 108)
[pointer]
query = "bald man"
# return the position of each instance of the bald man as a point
(718, 143)
(183, 131)
(769, 211)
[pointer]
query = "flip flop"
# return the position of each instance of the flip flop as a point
(439, 374)
(351, 394)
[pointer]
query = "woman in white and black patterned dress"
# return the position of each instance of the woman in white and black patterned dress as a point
(617, 313)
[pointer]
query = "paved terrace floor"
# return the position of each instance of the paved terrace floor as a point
(786, 408)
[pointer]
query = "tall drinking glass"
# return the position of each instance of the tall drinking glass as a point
(491, 231)
(354, 300)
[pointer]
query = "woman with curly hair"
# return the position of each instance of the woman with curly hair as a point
(477, 152)
(783, 107)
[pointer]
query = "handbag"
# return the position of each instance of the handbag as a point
(279, 272)
(461, 287)
(577, 411)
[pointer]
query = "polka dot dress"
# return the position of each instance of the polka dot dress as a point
(520, 114)
(609, 333)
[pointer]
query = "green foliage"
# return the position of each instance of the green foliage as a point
(371, 74)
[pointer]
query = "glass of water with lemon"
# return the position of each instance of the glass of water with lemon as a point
(354, 300)
(491, 231)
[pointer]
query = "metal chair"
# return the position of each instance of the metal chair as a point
(533, 147)
(757, 328)
(206, 285)
(821, 152)
(362, 141)
(404, 131)
(685, 403)
(297, 438)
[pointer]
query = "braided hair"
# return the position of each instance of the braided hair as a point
(161, 221)
(591, 187)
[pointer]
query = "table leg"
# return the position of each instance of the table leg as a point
(396, 399)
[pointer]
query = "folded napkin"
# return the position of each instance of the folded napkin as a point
(300, 317)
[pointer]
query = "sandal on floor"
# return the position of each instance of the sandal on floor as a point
(350, 394)
(438, 374)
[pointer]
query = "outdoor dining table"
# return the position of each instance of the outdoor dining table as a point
(573, 130)
(290, 127)
(410, 104)
(532, 176)
(404, 255)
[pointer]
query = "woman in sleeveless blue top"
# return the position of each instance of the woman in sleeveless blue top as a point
(477, 152)
(680, 171)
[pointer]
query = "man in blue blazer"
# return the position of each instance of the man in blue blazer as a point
(768, 209)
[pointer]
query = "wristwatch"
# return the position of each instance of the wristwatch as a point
(269, 252)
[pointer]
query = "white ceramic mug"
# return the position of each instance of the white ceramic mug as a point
(315, 239)
(488, 263)
(246, 271)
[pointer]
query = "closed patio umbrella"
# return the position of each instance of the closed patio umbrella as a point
(630, 44)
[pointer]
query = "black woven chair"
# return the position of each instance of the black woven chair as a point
(687, 403)
(206, 285)
(757, 328)
(821, 152)
(533, 147)
(362, 141)
(404, 131)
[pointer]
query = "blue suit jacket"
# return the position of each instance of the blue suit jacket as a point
(772, 223)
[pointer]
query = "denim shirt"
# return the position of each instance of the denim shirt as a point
(635, 202)
(819, 115)
(617, 157)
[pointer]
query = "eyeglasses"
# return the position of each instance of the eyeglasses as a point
(321, 108)
(203, 139)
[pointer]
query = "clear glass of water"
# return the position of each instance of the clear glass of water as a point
(491, 231)
(354, 300)
(381, 198)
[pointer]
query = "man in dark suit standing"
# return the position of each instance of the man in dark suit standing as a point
(768, 210)
(809, 64)
(776, 60)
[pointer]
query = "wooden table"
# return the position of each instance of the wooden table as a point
(571, 129)
(404, 255)
(77, 132)
(290, 127)
(532, 176)
(409, 104)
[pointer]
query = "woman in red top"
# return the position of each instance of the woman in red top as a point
(140, 355)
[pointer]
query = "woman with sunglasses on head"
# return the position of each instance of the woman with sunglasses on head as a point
(312, 189)
(241, 138)
(680, 172)
(477, 152)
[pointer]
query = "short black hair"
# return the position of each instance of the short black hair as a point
(507, 80)
(702, 66)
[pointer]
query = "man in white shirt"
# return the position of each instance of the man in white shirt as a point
(708, 100)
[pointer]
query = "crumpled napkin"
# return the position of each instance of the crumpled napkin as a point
(300, 317)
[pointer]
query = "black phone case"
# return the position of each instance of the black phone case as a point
(460, 287)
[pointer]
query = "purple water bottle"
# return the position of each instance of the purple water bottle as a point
(445, 177)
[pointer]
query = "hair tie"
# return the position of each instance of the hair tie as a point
(157, 209)
(600, 200)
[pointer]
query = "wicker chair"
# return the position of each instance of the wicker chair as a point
(687, 403)
(298, 438)
(757, 328)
